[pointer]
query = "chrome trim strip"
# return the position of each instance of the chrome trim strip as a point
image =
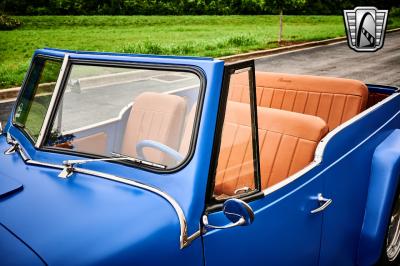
(171, 201)
(184, 239)
(56, 91)
(319, 152)
(49, 165)
(193, 236)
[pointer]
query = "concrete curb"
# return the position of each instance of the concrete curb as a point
(278, 50)
(12, 93)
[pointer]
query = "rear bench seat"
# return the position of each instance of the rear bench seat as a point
(287, 144)
(335, 100)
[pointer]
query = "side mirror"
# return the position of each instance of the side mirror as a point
(237, 211)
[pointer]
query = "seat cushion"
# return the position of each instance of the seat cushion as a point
(287, 143)
(158, 117)
(335, 100)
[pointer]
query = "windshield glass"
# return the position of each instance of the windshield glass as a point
(117, 111)
(34, 101)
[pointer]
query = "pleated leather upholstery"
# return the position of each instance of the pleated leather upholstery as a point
(158, 117)
(287, 142)
(335, 100)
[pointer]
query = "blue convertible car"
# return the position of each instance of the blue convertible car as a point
(147, 160)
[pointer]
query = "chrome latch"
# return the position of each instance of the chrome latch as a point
(67, 171)
(14, 145)
(242, 190)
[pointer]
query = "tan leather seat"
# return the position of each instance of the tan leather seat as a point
(287, 144)
(335, 100)
(158, 117)
(188, 131)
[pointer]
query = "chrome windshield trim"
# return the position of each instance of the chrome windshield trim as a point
(56, 91)
(319, 152)
(184, 239)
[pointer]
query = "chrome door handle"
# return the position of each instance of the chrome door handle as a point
(324, 203)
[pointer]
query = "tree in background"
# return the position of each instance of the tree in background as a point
(284, 5)
(187, 7)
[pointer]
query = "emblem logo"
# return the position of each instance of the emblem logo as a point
(365, 27)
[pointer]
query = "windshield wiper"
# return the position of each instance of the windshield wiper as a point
(69, 165)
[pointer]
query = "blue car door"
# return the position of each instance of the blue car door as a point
(286, 230)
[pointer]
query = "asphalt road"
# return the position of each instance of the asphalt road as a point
(338, 60)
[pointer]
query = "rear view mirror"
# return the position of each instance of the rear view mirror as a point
(237, 211)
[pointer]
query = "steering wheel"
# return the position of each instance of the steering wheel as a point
(159, 146)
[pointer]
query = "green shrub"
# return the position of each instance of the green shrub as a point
(9, 23)
(394, 12)
(241, 40)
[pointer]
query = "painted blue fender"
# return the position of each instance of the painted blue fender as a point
(385, 170)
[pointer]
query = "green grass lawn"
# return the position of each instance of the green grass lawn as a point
(184, 35)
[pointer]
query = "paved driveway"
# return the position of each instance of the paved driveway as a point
(338, 60)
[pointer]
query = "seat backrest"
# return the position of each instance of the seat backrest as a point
(335, 100)
(188, 131)
(158, 117)
(287, 142)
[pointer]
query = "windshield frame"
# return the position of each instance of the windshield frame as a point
(24, 87)
(51, 112)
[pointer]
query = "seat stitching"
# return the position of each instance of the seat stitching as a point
(330, 108)
(229, 156)
(261, 95)
(275, 155)
(283, 99)
(270, 130)
(292, 157)
(344, 107)
(294, 101)
(319, 100)
(304, 108)
(140, 126)
(243, 157)
(261, 147)
(161, 124)
(241, 93)
(272, 97)
(151, 122)
(327, 91)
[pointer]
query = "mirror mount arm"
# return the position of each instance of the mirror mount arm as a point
(240, 222)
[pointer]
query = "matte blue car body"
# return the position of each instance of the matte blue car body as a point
(385, 172)
(89, 220)
(287, 233)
